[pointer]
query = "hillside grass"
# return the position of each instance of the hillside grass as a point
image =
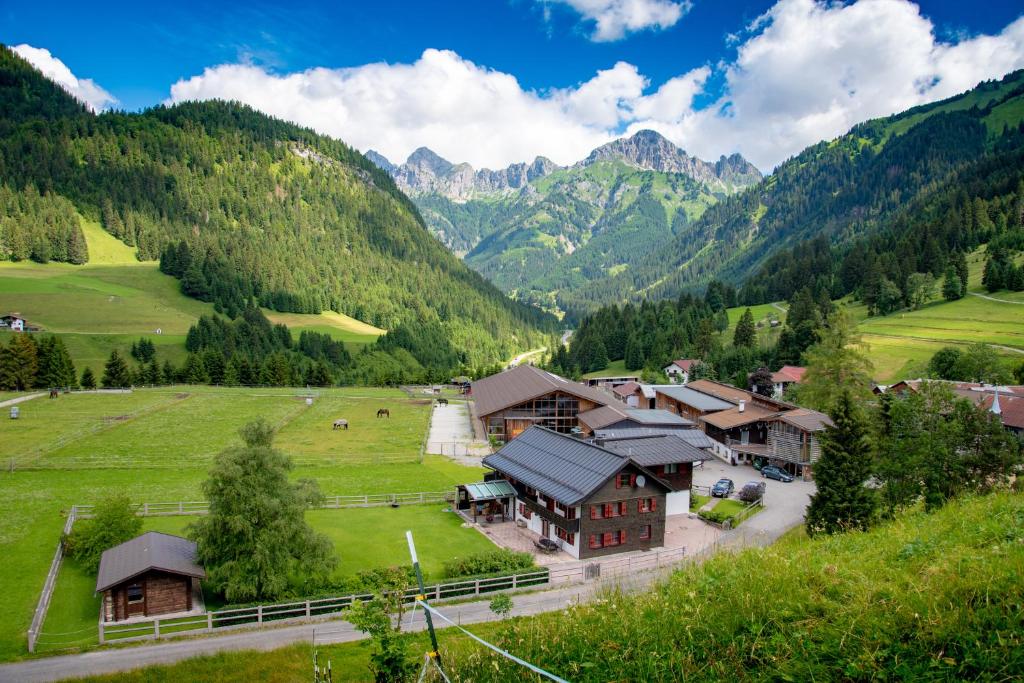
(104, 248)
(926, 597)
(156, 446)
(363, 538)
(616, 368)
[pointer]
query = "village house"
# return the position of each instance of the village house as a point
(590, 500)
(615, 415)
(670, 456)
(510, 402)
(150, 575)
(785, 377)
(679, 371)
(686, 402)
(15, 323)
(610, 383)
(635, 395)
(1006, 401)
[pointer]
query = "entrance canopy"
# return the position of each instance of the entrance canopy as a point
(489, 490)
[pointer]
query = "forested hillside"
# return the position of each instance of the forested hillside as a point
(242, 208)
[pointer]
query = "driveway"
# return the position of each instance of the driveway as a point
(451, 434)
(784, 504)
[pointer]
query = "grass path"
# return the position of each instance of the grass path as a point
(992, 298)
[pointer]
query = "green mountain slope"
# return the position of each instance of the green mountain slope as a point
(240, 206)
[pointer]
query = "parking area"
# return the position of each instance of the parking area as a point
(784, 503)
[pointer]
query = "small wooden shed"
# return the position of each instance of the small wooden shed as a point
(150, 575)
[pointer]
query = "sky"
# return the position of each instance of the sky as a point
(493, 82)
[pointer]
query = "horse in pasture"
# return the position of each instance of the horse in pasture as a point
(384, 412)
(341, 424)
(442, 401)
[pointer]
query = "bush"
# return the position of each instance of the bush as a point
(113, 523)
(493, 562)
(752, 491)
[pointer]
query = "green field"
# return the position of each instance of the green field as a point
(156, 445)
(114, 299)
(363, 538)
(617, 368)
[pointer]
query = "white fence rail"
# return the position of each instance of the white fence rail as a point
(51, 580)
(306, 609)
(202, 507)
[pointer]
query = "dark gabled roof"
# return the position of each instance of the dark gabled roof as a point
(695, 399)
(661, 449)
(557, 465)
(694, 437)
(657, 417)
(605, 416)
(151, 550)
(524, 382)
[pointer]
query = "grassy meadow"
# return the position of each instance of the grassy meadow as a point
(156, 446)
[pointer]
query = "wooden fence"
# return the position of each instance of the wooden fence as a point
(51, 580)
(323, 608)
(202, 507)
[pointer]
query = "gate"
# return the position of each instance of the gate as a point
(592, 571)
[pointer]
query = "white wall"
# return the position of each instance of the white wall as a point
(677, 503)
(534, 525)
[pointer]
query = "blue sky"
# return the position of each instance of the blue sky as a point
(553, 49)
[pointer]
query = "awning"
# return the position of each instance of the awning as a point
(490, 490)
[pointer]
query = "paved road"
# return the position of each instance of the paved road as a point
(21, 399)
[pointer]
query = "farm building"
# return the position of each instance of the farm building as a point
(615, 415)
(679, 370)
(510, 402)
(150, 575)
(15, 323)
(686, 402)
(611, 382)
(635, 395)
(670, 456)
(589, 500)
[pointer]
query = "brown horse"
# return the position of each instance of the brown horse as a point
(384, 412)
(442, 401)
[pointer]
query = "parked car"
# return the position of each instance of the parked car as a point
(773, 472)
(751, 491)
(722, 488)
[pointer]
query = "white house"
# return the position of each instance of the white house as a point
(679, 370)
(13, 322)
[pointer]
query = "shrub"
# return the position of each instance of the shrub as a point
(113, 523)
(493, 562)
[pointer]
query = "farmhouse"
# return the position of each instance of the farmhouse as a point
(794, 442)
(151, 574)
(590, 500)
(615, 416)
(679, 370)
(670, 456)
(785, 377)
(15, 323)
(687, 402)
(510, 402)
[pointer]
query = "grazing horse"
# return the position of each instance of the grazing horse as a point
(341, 424)
(442, 401)
(54, 393)
(384, 412)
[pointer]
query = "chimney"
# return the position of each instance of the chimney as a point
(743, 405)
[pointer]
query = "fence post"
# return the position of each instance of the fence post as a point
(515, 578)
(307, 609)
(156, 628)
(259, 614)
(145, 509)
(103, 635)
(477, 587)
(181, 506)
(209, 621)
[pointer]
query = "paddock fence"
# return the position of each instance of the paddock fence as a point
(51, 580)
(324, 608)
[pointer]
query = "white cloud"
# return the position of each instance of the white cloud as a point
(84, 89)
(804, 71)
(613, 19)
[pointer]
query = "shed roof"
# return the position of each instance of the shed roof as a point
(602, 417)
(151, 550)
(694, 437)
(659, 449)
(726, 392)
(490, 490)
(524, 382)
(557, 465)
(806, 419)
(695, 399)
(627, 389)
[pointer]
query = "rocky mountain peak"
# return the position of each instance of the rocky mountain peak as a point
(425, 159)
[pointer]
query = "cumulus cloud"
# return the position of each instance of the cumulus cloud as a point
(83, 89)
(613, 19)
(804, 71)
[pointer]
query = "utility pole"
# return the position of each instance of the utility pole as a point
(436, 654)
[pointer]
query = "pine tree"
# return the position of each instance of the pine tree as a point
(842, 501)
(18, 363)
(960, 263)
(116, 374)
(746, 333)
(634, 359)
(952, 288)
(88, 379)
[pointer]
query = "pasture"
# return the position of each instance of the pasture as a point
(156, 446)
(363, 538)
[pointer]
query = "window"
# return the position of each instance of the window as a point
(595, 540)
(645, 532)
(624, 479)
(525, 512)
(570, 513)
(647, 505)
(612, 538)
(671, 468)
(565, 535)
(135, 593)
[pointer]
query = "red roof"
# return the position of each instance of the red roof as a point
(627, 389)
(684, 365)
(789, 373)
(1011, 409)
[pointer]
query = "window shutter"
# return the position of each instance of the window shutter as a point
(640, 505)
(654, 504)
(593, 513)
(594, 542)
(618, 482)
(622, 536)
(632, 480)
(608, 512)
(622, 508)
(607, 538)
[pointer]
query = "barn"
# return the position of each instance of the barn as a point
(150, 575)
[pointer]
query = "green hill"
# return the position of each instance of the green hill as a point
(239, 207)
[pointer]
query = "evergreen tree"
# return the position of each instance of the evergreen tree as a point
(116, 374)
(88, 379)
(634, 359)
(842, 501)
(960, 263)
(194, 370)
(952, 287)
(18, 363)
(746, 333)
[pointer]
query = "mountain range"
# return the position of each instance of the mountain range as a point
(544, 232)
